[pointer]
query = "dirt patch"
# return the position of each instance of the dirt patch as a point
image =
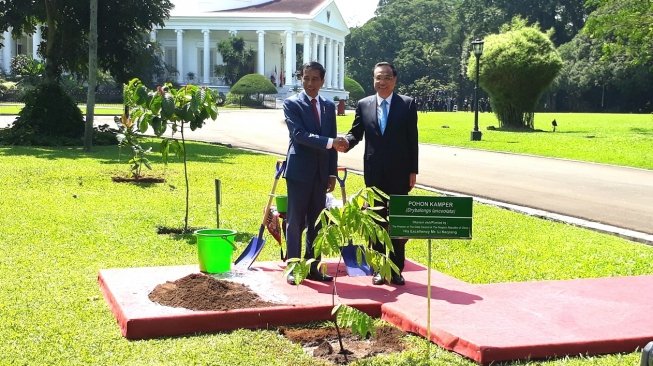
(201, 292)
(323, 343)
(138, 180)
(167, 230)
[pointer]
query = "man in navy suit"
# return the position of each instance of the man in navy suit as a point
(311, 163)
(388, 121)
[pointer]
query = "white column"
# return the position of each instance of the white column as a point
(207, 56)
(314, 44)
(153, 35)
(289, 59)
(334, 64)
(36, 41)
(322, 48)
(294, 57)
(341, 69)
(261, 52)
(180, 56)
(329, 63)
(307, 48)
(6, 51)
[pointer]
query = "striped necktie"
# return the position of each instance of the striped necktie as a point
(384, 115)
(316, 114)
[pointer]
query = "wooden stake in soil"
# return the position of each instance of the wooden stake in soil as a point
(217, 202)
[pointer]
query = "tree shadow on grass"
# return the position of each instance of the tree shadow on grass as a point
(240, 238)
(643, 131)
(197, 152)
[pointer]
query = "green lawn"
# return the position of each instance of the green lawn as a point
(620, 139)
(63, 219)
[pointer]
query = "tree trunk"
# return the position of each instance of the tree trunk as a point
(92, 77)
(51, 74)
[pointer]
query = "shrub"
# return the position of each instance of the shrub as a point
(49, 118)
(356, 91)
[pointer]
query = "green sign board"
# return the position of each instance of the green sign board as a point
(428, 217)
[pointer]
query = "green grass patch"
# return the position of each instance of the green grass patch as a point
(63, 220)
(619, 139)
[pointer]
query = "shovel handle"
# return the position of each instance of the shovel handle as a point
(279, 167)
(341, 181)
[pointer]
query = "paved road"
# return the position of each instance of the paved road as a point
(603, 197)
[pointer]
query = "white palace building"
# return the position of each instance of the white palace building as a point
(272, 28)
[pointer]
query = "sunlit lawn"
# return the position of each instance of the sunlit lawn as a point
(620, 139)
(63, 220)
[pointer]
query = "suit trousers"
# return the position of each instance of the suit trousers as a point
(398, 257)
(305, 202)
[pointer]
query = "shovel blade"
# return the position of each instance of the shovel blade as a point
(354, 269)
(251, 252)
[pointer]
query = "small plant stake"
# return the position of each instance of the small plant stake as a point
(217, 202)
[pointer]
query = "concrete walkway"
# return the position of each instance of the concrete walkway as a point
(602, 197)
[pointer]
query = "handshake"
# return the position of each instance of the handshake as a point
(340, 144)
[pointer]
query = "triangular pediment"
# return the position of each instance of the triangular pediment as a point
(331, 16)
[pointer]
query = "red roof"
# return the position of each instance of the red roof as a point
(282, 6)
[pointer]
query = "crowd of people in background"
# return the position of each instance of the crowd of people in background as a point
(441, 101)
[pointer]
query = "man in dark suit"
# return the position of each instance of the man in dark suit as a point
(388, 121)
(311, 163)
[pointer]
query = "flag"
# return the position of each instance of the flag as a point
(272, 223)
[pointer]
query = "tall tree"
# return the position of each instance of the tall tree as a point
(625, 28)
(122, 30)
(238, 59)
(518, 65)
(92, 77)
(406, 33)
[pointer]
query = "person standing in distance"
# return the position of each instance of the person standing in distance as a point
(311, 163)
(388, 121)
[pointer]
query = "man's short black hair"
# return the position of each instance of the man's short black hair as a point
(384, 63)
(314, 65)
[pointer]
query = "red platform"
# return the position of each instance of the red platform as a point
(486, 323)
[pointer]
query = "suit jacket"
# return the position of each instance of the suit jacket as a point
(307, 155)
(389, 158)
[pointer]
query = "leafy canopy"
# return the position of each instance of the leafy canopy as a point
(123, 47)
(238, 60)
(516, 68)
(624, 27)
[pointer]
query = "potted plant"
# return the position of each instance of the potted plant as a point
(340, 226)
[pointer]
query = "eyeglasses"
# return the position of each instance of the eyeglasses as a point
(383, 77)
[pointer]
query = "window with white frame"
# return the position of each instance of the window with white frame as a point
(200, 63)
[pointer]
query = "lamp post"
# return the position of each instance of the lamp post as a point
(477, 48)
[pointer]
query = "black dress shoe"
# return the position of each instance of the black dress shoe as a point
(377, 279)
(397, 279)
(319, 276)
(291, 279)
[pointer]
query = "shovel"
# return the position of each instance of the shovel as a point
(348, 252)
(249, 255)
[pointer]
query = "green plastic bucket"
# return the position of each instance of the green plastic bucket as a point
(282, 203)
(214, 249)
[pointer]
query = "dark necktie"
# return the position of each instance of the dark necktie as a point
(316, 114)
